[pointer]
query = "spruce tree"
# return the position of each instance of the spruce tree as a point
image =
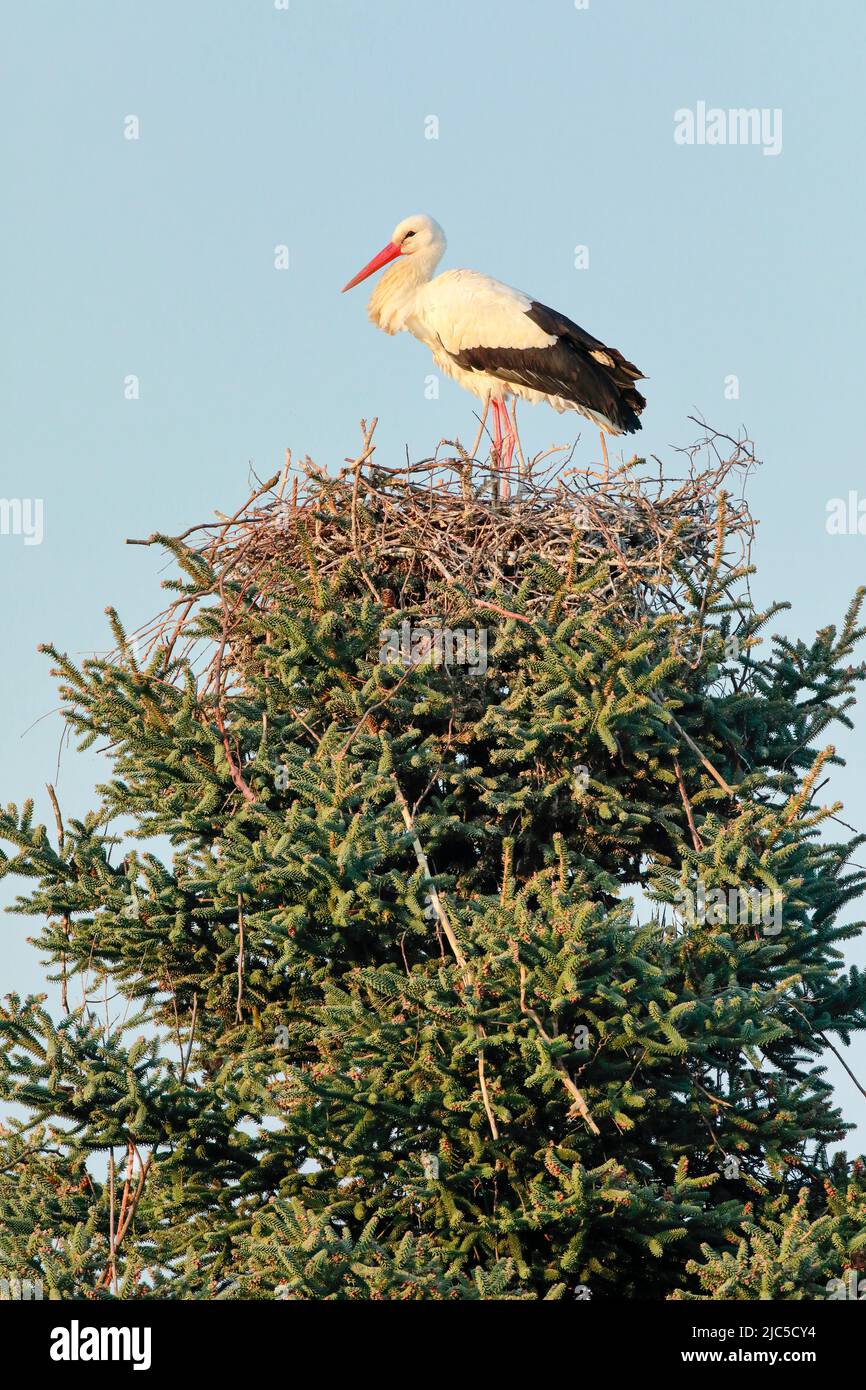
(459, 918)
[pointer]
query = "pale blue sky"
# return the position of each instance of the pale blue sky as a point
(306, 127)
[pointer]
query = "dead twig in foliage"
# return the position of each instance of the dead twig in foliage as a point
(445, 922)
(580, 1106)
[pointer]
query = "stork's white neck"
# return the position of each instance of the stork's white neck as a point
(392, 302)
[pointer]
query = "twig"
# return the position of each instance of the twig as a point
(185, 1060)
(64, 983)
(717, 776)
(366, 715)
(696, 840)
(838, 1054)
(445, 921)
(111, 1246)
(238, 1009)
(474, 450)
(580, 1104)
(144, 1169)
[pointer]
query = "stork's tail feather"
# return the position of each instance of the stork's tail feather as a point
(626, 402)
(629, 404)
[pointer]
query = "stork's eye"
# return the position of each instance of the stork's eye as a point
(407, 236)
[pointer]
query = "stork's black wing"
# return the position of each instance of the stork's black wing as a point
(576, 367)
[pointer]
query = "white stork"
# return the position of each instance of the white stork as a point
(497, 342)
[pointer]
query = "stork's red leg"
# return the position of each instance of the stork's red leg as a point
(497, 434)
(511, 440)
(508, 443)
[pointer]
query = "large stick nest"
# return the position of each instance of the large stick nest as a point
(436, 533)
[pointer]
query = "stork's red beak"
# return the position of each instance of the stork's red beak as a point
(385, 255)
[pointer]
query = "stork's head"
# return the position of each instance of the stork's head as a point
(419, 236)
